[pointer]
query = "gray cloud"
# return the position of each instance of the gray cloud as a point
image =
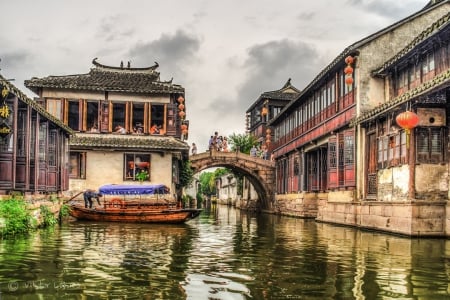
(384, 8)
(270, 65)
(172, 52)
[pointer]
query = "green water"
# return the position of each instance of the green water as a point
(223, 254)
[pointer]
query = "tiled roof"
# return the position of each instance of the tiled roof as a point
(123, 142)
(439, 82)
(282, 94)
(436, 27)
(105, 78)
(33, 104)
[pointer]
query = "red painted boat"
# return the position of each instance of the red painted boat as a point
(141, 210)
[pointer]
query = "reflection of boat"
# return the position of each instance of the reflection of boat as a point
(147, 205)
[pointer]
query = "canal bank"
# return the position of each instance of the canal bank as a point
(20, 216)
(409, 218)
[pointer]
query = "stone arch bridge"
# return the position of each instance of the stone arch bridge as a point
(260, 172)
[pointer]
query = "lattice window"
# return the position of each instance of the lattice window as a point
(77, 165)
(430, 143)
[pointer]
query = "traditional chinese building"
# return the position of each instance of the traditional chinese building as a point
(266, 107)
(339, 150)
(129, 125)
(33, 146)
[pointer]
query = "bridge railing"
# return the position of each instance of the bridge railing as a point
(231, 155)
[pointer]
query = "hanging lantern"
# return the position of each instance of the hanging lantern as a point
(268, 136)
(185, 131)
(268, 142)
(349, 80)
(268, 131)
(182, 114)
(183, 127)
(264, 111)
(407, 120)
(348, 70)
(180, 99)
(349, 60)
(181, 106)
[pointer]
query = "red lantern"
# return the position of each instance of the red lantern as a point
(183, 127)
(349, 60)
(182, 114)
(180, 99)
(349, 80)
(348, 70)
(268, 136)
(181, 106)
(407, 120)
(185, 131)
(268, 142)
(268, 131)
(264, 111)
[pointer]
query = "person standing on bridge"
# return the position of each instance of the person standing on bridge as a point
(194, 149)
(253, 151)
(225, 144)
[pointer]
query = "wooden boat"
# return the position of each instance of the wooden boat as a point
(130, 203)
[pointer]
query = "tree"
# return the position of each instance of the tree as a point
(186, 173)
(208, 180)
(207, 183)
(242, 142)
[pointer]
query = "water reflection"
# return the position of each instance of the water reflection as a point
(224, 254)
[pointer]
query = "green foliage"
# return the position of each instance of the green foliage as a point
(207, 183)
(208, 180)
(187, 200)
(186, 173)
(142, 175)
(48, 218)
(199, 198)
(220, 172)
(242, 142)
(64, 211)
(14, 217)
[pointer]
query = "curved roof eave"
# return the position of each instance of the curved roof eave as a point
(34, 105)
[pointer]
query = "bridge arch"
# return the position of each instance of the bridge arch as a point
(260, 172)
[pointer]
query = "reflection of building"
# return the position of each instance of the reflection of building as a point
(226, 188)
(129, 124)
(339, 149)
(33, 145)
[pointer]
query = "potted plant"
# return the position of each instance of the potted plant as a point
(142, 175)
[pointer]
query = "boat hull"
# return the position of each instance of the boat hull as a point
(134, 215)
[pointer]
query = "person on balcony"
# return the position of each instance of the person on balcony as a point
(120, 129)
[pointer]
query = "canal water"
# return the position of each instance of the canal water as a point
(223, 254)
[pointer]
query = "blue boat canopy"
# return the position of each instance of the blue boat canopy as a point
(135, 189)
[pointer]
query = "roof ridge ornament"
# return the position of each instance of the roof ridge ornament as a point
(150, 69)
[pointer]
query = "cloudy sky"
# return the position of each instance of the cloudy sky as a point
(224, 53)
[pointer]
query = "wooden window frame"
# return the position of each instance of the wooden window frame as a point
(430, 144)
(132, 165)
(77, 168)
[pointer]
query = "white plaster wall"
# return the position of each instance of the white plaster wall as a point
(431, 177)
(107, 167)
(401, 180)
